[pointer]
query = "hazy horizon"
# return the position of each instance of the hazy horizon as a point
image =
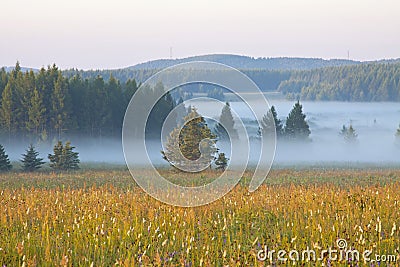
(375, 125)
(199, 55)
(106, 35)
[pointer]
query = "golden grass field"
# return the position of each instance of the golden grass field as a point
(100, 218)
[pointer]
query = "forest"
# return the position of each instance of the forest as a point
(46, 105)
(358, 81)
(364, 82)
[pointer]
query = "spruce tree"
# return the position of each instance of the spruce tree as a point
(221, 162)
(226, 119)
(30, 161)
(8, 108)
(5, 164)
(130, 89)
(64, 158)
(296, 127)
(194, 140)
(56, 159)
(36, 112)
(59, 105)
(269, 121)
(349, 134)
(71, 161)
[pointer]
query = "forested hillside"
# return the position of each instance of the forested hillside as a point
(365, 82)
(377, 81)
(246, 62)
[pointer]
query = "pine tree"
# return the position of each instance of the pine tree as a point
(129, 90)
(226, 124)
(221, 161)
(30, 161)
(5, 164)
(296, 127)
(349, 134)
(8, 107)
(269, 121)
(36, 112)
(163, 108)
(193, 141)
(25, 91)
(116, 110)
(71, 161)
(3, 79)
(56, 159)
(57, 110)
(64, 158)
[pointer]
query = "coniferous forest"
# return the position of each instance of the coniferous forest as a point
(369, 81)
(49, 103)
(46, 104)
(364, 82)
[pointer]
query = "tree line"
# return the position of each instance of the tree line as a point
(374, 81)
(48, 105)
(364, 82)
(266, 80)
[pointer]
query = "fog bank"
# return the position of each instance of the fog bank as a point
(375, 124)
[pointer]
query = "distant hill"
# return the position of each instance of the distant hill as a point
(236, 61)
(296, 78)
(245, 62)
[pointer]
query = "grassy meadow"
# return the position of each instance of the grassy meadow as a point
(101, 218)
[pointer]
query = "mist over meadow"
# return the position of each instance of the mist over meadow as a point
(375, 125)
(88, 107)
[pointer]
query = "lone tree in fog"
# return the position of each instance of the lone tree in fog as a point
(221, 162)
(269, 123)
(195, 142)
(226, 119)
(64, 158)
(349, 134)
(30, 161)
(5, 164)
(296, 127)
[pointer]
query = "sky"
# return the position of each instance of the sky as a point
(98, 34)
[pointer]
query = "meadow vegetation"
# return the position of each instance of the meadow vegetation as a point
(101, 218)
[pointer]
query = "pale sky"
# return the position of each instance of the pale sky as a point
(112, 34)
